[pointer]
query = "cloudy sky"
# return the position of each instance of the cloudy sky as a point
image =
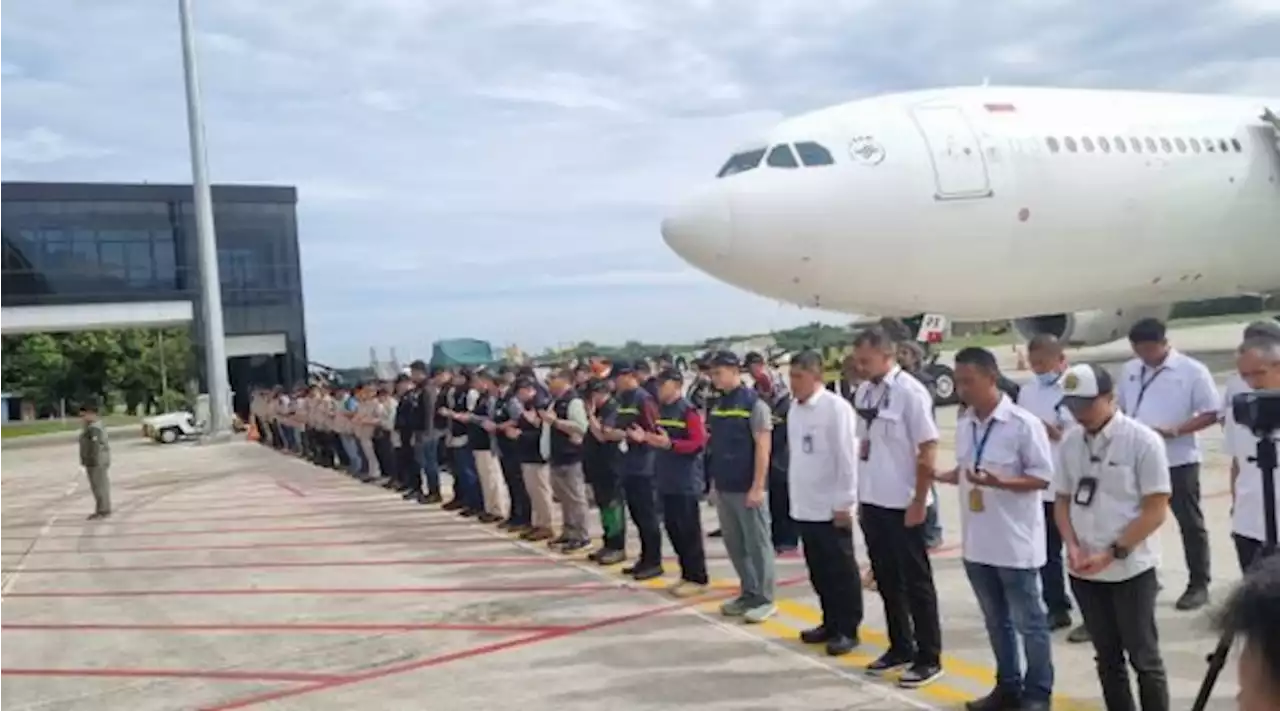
(498, 168)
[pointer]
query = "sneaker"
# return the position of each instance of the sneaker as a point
(641, 573)
(688, 588)
(574, 546)
(1059, 620)
(1079, 635)
(609, 556)
(920, 675)
(760, 613)
(734, 608)
(815, 635)
(1194, 598)
(888, 662)
(1000, 699)
(840, 645)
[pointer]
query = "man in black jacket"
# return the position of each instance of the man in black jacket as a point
(426, 432)
(409, 477)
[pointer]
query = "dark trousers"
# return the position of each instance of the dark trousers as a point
(277, 436)
(408, 473)
(1121, 619)
(466, 480)
(385, 452)
(1053, 580)
(1185, 504)
(606, 488)
(264, 436)
(682, 516)
(904, 576)
(833, 572)
(513, 474)
(783, 529)
(1248, 551)
(642, 505)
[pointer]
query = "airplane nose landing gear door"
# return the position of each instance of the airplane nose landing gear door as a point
(959, 170)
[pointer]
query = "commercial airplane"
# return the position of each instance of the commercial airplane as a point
(1074, 212)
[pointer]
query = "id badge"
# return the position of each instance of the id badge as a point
(976, 503)
(864, 450)
(1085, 491)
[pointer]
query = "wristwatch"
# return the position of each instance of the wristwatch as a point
(1119, 552)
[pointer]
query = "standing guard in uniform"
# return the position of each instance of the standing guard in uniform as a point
(406, 424)
(567, 420)
(384, 436)
(505, 419)
(1175, 395)
(601, 463)
(637, 415)
(1113, 493)
(526, 431)
(364, 428)
(740, 425)
(468, 499)
(95, 457)
(782, 528)
(897, 449)
(346, 407)
(483, 444)
(677, 467)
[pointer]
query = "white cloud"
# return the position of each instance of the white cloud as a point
(471, 166)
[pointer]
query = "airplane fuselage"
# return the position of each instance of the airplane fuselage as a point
(988, 203)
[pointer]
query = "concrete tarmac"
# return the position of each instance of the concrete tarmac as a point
(234, 577)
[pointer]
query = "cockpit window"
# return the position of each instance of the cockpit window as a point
(742, 162)
(813, 154)
(782, 157)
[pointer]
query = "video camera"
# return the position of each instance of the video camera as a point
(1258, 410)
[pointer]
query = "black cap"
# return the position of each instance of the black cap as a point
(401, 378)
(522, 383)
(90, 404)
(596, 385)
(642, 366)
(753, 358)
(623, 369)
(724, 359)
(669, 375)
(419, 366)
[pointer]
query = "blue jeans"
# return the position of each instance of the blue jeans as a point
(355, 460)
(932, 528)
(1011, 602)
(466, 480)
(425, 449)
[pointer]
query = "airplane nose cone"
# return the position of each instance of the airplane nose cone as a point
(700, 229)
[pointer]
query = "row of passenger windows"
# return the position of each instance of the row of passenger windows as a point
(780, 156)
(1102, 144)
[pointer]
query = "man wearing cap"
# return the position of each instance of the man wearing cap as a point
(600, 462)
(647, 380)
(468, 498)
(1042, 397)
(1113, 489)
(1003, 463)
(1175, 395)
(525, 431)
(783, 532)
(638, 415)
(408, 472)
(740, 425)
(481, 429)
(760, 372)
(897, 451)
(678, 441)
(95, 457)
(566, 420)
(506, 416)
(429, 427)
(1258, 362)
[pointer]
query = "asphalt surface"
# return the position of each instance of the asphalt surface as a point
(234, 577)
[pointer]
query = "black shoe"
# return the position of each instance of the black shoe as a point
(1037, 705)
(815, 635)
(594, 556)
(1059, 620)
(840, 645)
(571, 546)
(1194, 598)
(1000, 699)
(610, 556)
(453, 505)
(389, 484)
(716, 534)
(468, 513)
(433, 499)
(920, 675)
(1079, 635)
(888, 662)
(96, 515)
(647, 572)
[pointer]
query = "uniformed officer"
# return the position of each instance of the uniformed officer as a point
(468, 498)
(677, 467)
(566, 420)
(1175, 395)
(365, 426)
(526, 432)
(897, 448)
(385, 437)
(505, 419)
(1042, 397)
(601, 462)
(740, 424)
(702, 392)
(95, 457)
(1004, 463)
(637, 410)
(344, 412)
(1113, 492)
(487, 454)
(1258, 361)
(647, 379)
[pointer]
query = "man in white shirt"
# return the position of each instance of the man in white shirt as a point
(1235, 384)
(896, 452)
(1258, 361)
(1003, 464)
(1042, 397)
(823, 487)
(1113, 494)
(1174, 395)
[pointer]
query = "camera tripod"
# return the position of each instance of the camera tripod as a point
(1265, 458)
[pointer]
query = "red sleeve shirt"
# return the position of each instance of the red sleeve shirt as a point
(648, 417)
(697, 438)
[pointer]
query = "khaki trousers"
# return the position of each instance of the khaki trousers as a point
(370, 456)
(494, 487)
(537, 480)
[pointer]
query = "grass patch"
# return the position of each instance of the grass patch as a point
(32, 428)
(990, 340)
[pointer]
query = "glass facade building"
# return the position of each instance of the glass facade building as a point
(73, 244)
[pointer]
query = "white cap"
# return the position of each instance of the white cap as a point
(1086, 381)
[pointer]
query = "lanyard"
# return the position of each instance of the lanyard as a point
(980, 445)
(1144, 382)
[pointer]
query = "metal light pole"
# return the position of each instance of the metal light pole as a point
(215, 347)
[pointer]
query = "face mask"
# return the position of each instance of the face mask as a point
(1047, 378)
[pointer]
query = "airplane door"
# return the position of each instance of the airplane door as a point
(959, 170)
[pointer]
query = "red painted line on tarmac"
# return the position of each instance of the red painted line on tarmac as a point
(299, 677)
(291, 489)
(267, 565)
(480, 651)
(265, 546)
(285, 627)
(235, 592)
(289, 516)
(235, 531)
